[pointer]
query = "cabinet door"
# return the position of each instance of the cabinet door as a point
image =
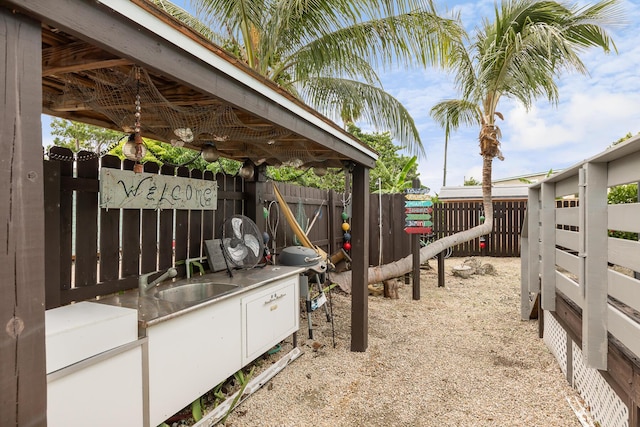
(269, 316)
(191, 354)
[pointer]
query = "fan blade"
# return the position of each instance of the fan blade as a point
(252, 243)
(238, 253)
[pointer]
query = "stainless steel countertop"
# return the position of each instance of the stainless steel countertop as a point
(152, 310)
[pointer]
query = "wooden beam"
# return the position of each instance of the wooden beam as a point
(23, 387)
(360, 257)
(548, 246)
(84, 66)
(94, 23)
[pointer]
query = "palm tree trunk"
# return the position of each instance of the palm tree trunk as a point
(444, 169)
(398, 268)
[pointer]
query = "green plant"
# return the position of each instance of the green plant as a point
(623, 194)
(196, 409)
(471, 181)
(243, 380)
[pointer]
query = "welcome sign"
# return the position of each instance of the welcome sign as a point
(122, 189)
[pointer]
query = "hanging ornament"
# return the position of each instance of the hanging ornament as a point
(345, 226)
(134, 149)
(347, 236)
(345, 216)
(346, 246)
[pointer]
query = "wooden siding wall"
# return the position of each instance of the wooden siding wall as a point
(504, 240)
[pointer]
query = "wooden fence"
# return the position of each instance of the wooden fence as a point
(587, 282)
(503, 241)
(92, 251)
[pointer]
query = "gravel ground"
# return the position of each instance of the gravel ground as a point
(460, 356)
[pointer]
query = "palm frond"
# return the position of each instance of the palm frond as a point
(451, 114)
(330, 96)
(414, 38)
(189, 20)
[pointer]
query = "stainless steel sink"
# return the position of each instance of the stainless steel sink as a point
(194, 292)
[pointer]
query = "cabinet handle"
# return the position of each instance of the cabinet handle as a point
(274, 297)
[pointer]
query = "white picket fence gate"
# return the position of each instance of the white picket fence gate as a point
(566, 253)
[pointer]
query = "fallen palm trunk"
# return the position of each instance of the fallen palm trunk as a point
(403, 266)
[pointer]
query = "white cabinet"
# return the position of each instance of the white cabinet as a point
(94, 366)
(190, 354)
(269, 315)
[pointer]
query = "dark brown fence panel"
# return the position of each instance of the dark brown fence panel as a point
(503, 241)
(182, 230)
(401, 240)
(110, 234)
(208, 216)
(318, 210)
(66, 218)
(195, 225)
(230, 199)
(134, 241)
(166, 238)
(130, 236)
(113, 246)
(376, 228)
(86, 221)
(388, 241)
(149, 246)
(51, 171)
(337, 207)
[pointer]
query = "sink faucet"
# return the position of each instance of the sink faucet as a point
(143, 286)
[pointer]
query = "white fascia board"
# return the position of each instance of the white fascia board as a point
(158, 27)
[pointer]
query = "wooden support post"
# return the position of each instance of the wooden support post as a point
(594, 309)
(255, 190)
(533, 222)
(540, 320)
(415, 252)
(23, 385)
(525, 304)
(360, 260)
(548, 246)
(441, 269)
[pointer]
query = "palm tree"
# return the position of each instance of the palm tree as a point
(326, 53)
(519, 55)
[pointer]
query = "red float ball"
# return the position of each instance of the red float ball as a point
(482, 245)
(347, 246)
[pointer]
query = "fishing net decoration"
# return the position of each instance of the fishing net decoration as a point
(112, 93)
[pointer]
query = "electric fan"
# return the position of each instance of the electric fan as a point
(241, 242)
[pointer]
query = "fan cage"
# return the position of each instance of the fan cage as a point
(242, 244)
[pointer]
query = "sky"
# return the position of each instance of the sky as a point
(594, 110)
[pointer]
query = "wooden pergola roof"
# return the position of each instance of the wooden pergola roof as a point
(52, 50)
(190, 84)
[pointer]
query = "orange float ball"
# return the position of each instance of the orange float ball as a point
(345, 226)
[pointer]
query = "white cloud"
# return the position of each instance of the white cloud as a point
(593, 111)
